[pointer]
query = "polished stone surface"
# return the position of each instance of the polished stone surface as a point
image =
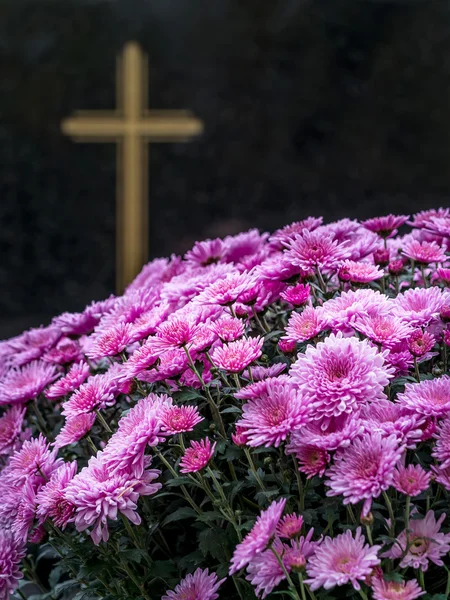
(333, 107)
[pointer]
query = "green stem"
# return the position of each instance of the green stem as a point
(91, 445)
(391, 514)
(302, 585)
(369, 534)
(103, 422)
(422, 580)
(236, 379)
(416, 369)
(323, 287)
(291, 585)
(40, 419)
(183, 488)
(363, 595)
(301, 491)
(422, 269)
(253, 469)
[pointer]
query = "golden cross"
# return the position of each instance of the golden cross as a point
(132, 126)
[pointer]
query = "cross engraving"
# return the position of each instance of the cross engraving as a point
(132, 126)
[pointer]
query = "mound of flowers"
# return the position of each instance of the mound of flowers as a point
(267, 415)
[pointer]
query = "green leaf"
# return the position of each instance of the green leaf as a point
(213, 542)
(181, 513)
(181, 481)
(231, 409)
(133, 555)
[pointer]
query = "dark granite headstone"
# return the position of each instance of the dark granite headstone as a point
(333, 107)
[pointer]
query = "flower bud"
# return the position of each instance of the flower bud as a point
(381, 257)
(367, 520)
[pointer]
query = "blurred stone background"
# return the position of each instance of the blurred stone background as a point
(333, 107)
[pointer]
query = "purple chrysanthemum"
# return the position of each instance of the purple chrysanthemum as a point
(365, 469)
(316, 250)
(343, 559)
(358, 272)
(236, 356)
(385, 330)
(179, 419)
(423, 543)
(385, 226)
(11, 553)
(411, 480)
(430, 397)
(200, 585)
(74, 429)
(96, 393)
(305, 325)
(396, 590)
(197, 456)
(77, 375)
(424, 252)
(271, 417)
(27, 382)
(340, 375)
(50, 500)
(259, 537)
(10, 429)
(419, 306)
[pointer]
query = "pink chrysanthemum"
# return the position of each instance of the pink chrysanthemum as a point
(26, 383)
(316, 250)
(26, 512)
(50, 500)
(75, 428)
(197, 456)
(342, 560)
(175, 333)
(430, 397)
(77, 375)
(171, 364)
(84, 322)
(411, 480)
(282, 236)
(228, 329)
(261, 373)
(396, 590)
(239, 437)
(424, 252)
(338, 434)
(339, 375)
(441, 450)
(207, 252)
(358, 272)
(179, 419)
(385, 226)
(443, 275)
(11, 553)
(10, 429)
(342, 312)
(99, 496)
(290, 526)
(419, 306)
(396, 267)
(96, 393)
(365, 469)
(197, 586)
(305, 325)
(312, 460)
(34, 461)
(271, 417)
(139, 428)
(383, 329)
(65, 351)
(388, 418)
(112, 341)
(227, 290)
(420, 342)
(236, 356)
(297, 295)
(259, 536)
(423, 543)
(142, 358)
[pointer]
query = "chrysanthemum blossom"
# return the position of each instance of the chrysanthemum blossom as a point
(259, 536)
(441, 450)
(419, 306)
(50, 500)
(34, 461)
(227, 290)
(342, 312)
(206, 252)
(77, 374)
(422, 543)
(10, 429)
(200, 585)
(96, 393)
(396, 590)
(340, 375)
(339, 433)
(312, 460)
(65, 351)
(112, 341)
(343, 559)
(26, 512)
(430, 397)
(75, 428)
(385, 330)
(316, 250)
(98, 496)
(179, 419)
(290, 526)
(297, 295)
(305, 325)
(174, 333)
(365, 469)
(282, 236)
(197, 456)
(424, 252)
(358, 272)
(26, 383)
(236, 356)
(228, 329)
(139, 428)
(411, 480)
(385, 226)
(11, 554)
(420, 342)
(276, 413)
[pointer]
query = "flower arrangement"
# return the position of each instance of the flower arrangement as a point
(268, 415)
